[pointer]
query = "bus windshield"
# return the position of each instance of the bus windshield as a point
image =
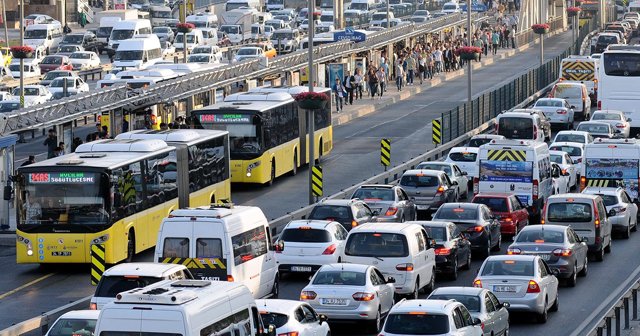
(244, 141)
(64, 199)
(622, 64)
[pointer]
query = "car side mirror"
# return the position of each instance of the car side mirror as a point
(464, 173)
(476, 321)
(612, 213)
(391, 280)
(573, 106)
(555, 272)
(323, 318)
(505, 305)
(376, 213)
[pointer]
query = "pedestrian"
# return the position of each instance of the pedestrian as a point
(51, 142)
(98, 127)
(58, 151)
(359, 82)
(349, 85)
(399, 75)
(30, 160)
(372, 79)
(75, 143)
(83, 19)
(382, 79)
(411, 69)
(385, 67)
(164, 126)
(421, 68)
(478, 43)
(437, 57)
(512, 36)
(495, 39)
(484, 36)
(104, 134)
(339, 92)
(61, 146)
(66, 29)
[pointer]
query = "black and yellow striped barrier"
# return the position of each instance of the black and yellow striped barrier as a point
(436, 131)
(211, 263)
(602, 183)
(507, 155)
(316, 183)
(578, 71)
(385, 152)
(97, 263)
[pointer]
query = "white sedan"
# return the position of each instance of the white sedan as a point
(565, 163)
(245, 53)
(82, 60)
(75, 322)
(30, 70)
(75, 85)
(616, 119)
(558, 110)
(212, 50)
(466, 158)
(292, 318)
(34, 94)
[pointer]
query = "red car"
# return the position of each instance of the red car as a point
(55, 62)
(512, 214)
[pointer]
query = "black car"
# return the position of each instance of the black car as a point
(86, 40)
(476, 222)
(453, 249)
(349, 213)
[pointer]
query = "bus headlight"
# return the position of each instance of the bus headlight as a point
(100, 239)
(29, 252)
(251, 166)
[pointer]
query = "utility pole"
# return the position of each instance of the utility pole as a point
(4, 21)
(469, 67)
(21, 59)
(310, 113)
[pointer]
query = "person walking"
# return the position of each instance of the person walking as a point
(411, 68)
(52, 143)
(372, 79)
(359, 82)
(478, 43)
(382, 79)
(512, 36)
(399, 75)
(437, 57)
(339, 92)
(349, 85)
(495, 39)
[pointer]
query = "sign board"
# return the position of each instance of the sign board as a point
(336, 71)
(349, 34)
(119, 4)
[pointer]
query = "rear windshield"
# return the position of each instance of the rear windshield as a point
(477, 142)
(609, 200)
(417, 324)
(569, 212)
(556, 158)
(516, 128)
(437, 233)
(472, 302)
(435, 166)
(463, 157)
(419, 181)
(606, 39)
(606, 116)
(329, 212)
(622, 64)
(568, 91)
(110, 286)
(593, 128)
(278, 320)
(541, 236)
(369, 195)
(345, 278)
(71, 327)
(496, 204)
(508, 267)
(306, 236)
(454, 214)
(549, 102)
(572, 151)
(370, 244)
(570, 138)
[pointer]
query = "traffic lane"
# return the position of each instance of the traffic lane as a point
(356, 153)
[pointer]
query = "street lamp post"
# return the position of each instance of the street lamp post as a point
(469, 68)
(21, 59)
(310, 113)
(541, 35)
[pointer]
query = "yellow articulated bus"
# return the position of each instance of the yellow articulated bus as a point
(116, 193)
(266, 134)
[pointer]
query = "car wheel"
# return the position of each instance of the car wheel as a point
(556, 304)
(635, 227)
(573, 278)
(467, 265)
(416, 289)
(497, 247)
(131, 246)
(375, 324)
(585, 268)
(627, 233)
(275, 291)
(454, 272)
(607, 249)
(487, 252)
(542, 317)
(599, 255)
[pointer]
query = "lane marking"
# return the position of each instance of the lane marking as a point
(13, 291)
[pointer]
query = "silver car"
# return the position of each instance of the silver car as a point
(557, 110)
(558, 245)
(616, 119)
(482, 304)
(454, 172)
(621, 211)
(388, 202)
(429, 188)
(350, 292)
(524, 281)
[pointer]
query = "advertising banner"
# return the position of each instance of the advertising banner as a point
(506, 171)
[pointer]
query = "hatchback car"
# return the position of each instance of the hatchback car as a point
(292, 318)
(34, 94)
(616, 119)
(55, 62)
(246, 53)
(75, 322)
(454, 172)
(481, 139)
(482, 304)
(453, 249)
(511, 213)
(431, 317)
(68, 49)
(164, 33)
(429, 188)
(477, 222)
(575, 151)
(577, 95)
(557, 110)
(83, 60)
(573, 136)
(51, 75)
(524, 281)
(389, 203)
(466, 158)
(597, 129)
(621, 210)
(75, 85)
(349, 213)
(306, 245)
(563, 160)
(558, 246)
(350, 292)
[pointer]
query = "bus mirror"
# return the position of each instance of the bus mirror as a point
(7, 193)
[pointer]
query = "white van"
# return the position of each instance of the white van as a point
(209, 36)
(138, 53)
(203, 20)
(223, 242)
(183, 307)
(610, 163)
(399, 250)
(47, 35)
(235, 4)
(520, 126)
(124, 30)
(104, 31)
(194, 38)
(516, 167)
(378, 18)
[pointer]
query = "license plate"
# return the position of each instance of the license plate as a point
(300, 268)
(504, 289)
(335, 302)
(422, 207)
(61, 253)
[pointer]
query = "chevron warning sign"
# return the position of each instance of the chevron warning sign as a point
(97, 263)
(578, 70)
(507, 155)
(602, 183)
(436, 131)
(385, 152)
(316, 184)
(213, 263)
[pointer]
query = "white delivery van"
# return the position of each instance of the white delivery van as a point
(104, 31)
(194, 38)
(209, 36)
(583, 69)
(203, 20)
(516, 167)
(612, 163)
(183, 307)
(124, 30)
(138, 53)
(222, 243)
(47, 35)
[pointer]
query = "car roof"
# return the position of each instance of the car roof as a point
(521, 257)
(379, 186)
(458, 290)
(277, 305)
(572, 195)
(487, 136)
(142, 269)
(81, 314)
(601, 190)
(607, 111)
(583, 133)
(493, 195)
(428, 172)
(464, 149)
(461, 205)
(549, 227)
(557, 152)
(431, 223)
(345, 267)
(310, 223)
(422, 305)
(384, 227)
(342, 202)
(593, 123)
(549, 98)
(567, 143)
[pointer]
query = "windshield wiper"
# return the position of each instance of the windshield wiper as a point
(378, 258)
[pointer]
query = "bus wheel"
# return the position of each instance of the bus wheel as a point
(319, 152)
(273, 173)
(294, 171)
(131, 246)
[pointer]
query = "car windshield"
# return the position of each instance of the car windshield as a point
(229, 29)
(621, 64)
(593, 128)
(161, 30)
(73, 327)
(201, 50)
(359, 5)
(247, 51)
(417, 324)
(128, 55)
(556, 158)
(568, 91)
(118, 35)
(453, 214)
(472, 302)
(572, 151)
(609, 200)
(306, 235)
(199, 59)
(448, 7)
(436, 232)
(435, 166)
(549, 102)
(163, 15)
(281, 36)
(374, 194)
(508, 267)
(570, 138)
(73, 39)
(39, 34)
(59, 82)
(478, 142)
(9, 106)
(570, 212)
(52, 60)
(331, 212)
(80, 56)
(419, 181)
(275, 319)
(27, 91)
(496, 204)
(606, 116)
(340, 278)
(607, 39)
(110, 286)
(55, 74)
(463, 156)
(16, 67)
(540, 235)
(190, 38)
(104, 31)
(67, 48)
(373, 244)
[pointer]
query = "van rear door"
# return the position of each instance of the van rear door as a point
(576, 213)
(506, 170)
(209, 251)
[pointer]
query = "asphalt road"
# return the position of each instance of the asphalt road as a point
(354, 158)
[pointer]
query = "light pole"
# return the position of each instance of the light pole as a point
(573, 26)
(541, 35)
(4, 21)
(21, 59)
(310, 113)
(469, 68)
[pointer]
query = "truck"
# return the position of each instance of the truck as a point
(237, 24)
(123, 14)
(159, 15)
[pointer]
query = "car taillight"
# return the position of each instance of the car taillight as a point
(620, 125)
(562, 252)
(443, 251)
(477, 283)
(476, 229)
(291, 333)
(476, 186)
(391, 211)
(408, 267)
(230, 278)
(354, 223)
(583, 182)
(440, 190)
(597, 215)
(361, 296)
(535, 190)
(308, 295)
(507, 218)
(535, 132)
(330, 250)
(599, 104)
(533, 287)
(561, 111)
(514, 251)
(543, 213)
(93, 306)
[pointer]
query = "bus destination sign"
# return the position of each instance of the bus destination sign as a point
(61, 178)
(229, 118)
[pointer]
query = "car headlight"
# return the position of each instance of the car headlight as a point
(251, 166)
(100, 240)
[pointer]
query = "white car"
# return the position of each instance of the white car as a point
(75, 322)
(565, 163)
(75, 85)
(453, 171)
(51, 75)
(466, 158)
(524, 281)
(202, 59)
(431, 317)
(451, 7)
(574, 149)
(31, 69)
(481, 139)
(560, 180)
(34, 94)
(305, 245)
(245, 53)
(622, 212)
(292, 317)
(39, 19)
(616, 119)
(82, 60)
(573, 136)
(4, 95)
(557, 110)
(211, 50)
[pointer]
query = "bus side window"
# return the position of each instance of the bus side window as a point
(128, 190)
